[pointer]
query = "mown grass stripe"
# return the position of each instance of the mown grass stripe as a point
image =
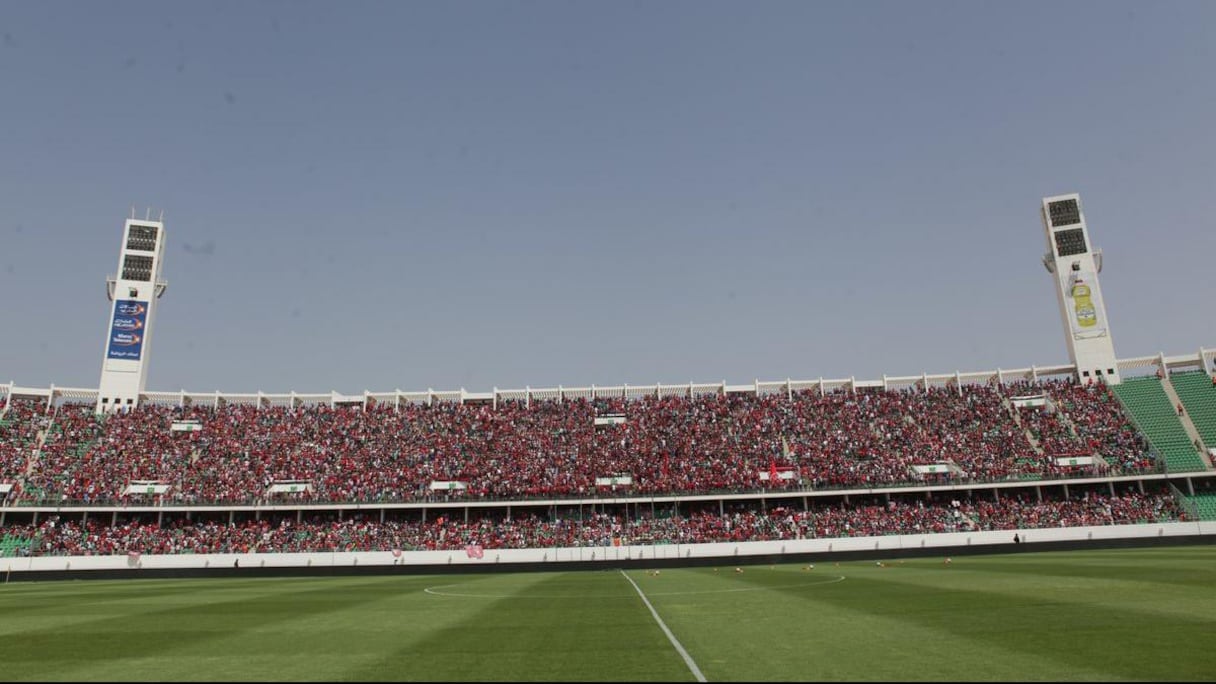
(1040, 631)
(1109, 615)
(106, 645)
(542, 627)
(692, 664)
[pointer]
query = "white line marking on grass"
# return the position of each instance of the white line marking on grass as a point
(834, 580)
(435, 591)
(692, 665)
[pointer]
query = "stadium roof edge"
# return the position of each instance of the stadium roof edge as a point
(1204, 360)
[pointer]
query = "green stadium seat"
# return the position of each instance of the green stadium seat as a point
(1205, 505)
(1198, 396)
(1148, 406)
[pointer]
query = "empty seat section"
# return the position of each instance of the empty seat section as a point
(1198, 395)
(1150, 409)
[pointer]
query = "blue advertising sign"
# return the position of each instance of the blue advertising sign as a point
(127, 330)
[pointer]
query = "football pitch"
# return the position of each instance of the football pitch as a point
(1141, 614)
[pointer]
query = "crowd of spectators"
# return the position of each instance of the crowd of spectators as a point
(20, 422)
(1101, 425)
(1082, 420)
(57, 536)
(86, 460)
(517, 451)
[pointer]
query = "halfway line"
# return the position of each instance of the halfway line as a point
(696, 671)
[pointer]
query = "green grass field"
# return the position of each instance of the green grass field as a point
(1142, 614)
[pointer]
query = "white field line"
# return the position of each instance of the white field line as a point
(692, 665)
(437, 590)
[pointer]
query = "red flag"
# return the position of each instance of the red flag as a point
(474, 551)
(772, 472)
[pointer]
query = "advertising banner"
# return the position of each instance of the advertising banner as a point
(781, 475)
(127, 330)
(1084, 305)
(932, 468)
(145, 487)
(289, 487)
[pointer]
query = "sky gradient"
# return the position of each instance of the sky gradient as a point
(381, 195)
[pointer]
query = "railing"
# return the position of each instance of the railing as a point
(1201, 360)
(1184, 503)
(891, 487)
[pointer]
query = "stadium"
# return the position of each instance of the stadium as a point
(644, 512)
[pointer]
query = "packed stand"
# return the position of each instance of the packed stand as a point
(20, 422)
(92, 459)
(1083, 420)
(545, 449)
(61, 537)
(1102, 426)
(344, 453)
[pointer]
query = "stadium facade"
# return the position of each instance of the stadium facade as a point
(1133, 435)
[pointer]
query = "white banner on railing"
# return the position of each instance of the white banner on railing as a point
(613, 419)
(781, 474)
(932, 468)
(1075, 461)
(448, 485)
(622, 480)
(290, 487)
(1036, 400)
(186, 426)
(151, 488)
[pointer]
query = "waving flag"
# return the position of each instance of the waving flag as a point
(474, 551)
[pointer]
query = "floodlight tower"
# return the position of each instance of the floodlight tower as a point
(133, 294)
(1075, 267)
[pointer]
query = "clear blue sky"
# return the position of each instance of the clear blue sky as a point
(380, 195)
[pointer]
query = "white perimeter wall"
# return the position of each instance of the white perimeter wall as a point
(608, 554)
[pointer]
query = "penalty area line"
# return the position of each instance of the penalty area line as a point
(692, 665)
